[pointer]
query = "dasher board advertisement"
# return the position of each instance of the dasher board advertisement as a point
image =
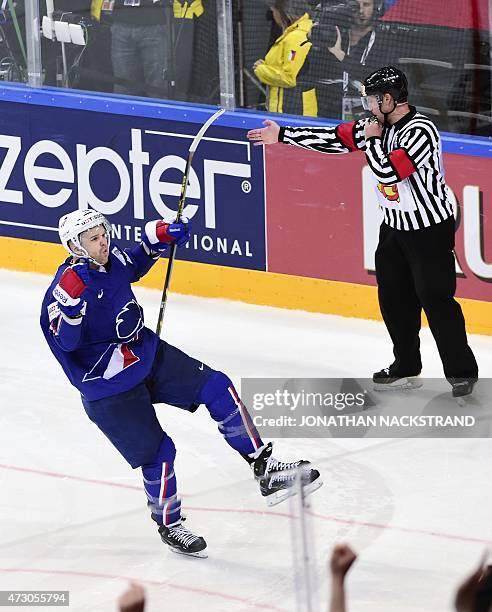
(53, 160)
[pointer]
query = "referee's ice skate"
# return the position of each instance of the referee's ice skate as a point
(276, 478)
(183, 541)
(390, 380)
(462, 389)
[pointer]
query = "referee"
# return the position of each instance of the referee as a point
(415, 265)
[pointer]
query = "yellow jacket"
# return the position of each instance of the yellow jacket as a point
(283, 64)
(187, 10)
(96, 6)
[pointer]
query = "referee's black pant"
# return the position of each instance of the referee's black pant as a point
(415, 270)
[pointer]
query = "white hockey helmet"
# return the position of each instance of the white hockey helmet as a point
(72, 225)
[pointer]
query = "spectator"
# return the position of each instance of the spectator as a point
(140, 47)
(341, 561)
(348, 43)
(285, 62)
(133, 599)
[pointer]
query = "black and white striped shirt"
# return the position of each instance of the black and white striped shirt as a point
(406, 164)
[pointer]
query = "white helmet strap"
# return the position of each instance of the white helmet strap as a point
(76, 243)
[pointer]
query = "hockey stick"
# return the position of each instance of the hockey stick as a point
(182, 197)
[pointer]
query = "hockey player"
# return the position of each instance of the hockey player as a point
(415, 265)
(95, 328)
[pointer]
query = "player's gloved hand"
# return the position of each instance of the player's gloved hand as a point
(158, 235)
(71, 285)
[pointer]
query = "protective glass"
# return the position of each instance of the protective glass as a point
(165, 49)
(222, 51)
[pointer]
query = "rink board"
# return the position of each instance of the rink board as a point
(252, 286)
(283, 227)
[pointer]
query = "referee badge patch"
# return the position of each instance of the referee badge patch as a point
(390, 192)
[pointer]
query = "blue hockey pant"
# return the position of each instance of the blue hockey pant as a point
(129, 421)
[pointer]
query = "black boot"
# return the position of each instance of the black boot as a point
(182, 540)
(388, 378)
(276, 478)
(462, 386)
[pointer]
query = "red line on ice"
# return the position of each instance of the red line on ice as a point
(69, 477)
(323, 517)
(164, 583)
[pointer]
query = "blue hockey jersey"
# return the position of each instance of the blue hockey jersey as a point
(108, 350)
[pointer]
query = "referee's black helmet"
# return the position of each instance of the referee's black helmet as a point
(387, 80)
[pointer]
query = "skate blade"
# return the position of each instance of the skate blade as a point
(280, 496)
(404, 384)
(201, 554)
(465, 400)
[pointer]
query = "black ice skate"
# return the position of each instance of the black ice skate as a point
(183, 541)
(462, 389)
(277, 478)
(389, 380)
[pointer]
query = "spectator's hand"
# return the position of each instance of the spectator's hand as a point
(373, 128)
(342, 559)
(258, 63)
(266, 135)
(133, 599)
(337, 50)
(465, 595)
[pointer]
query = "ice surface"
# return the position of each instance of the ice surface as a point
(73, 515)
